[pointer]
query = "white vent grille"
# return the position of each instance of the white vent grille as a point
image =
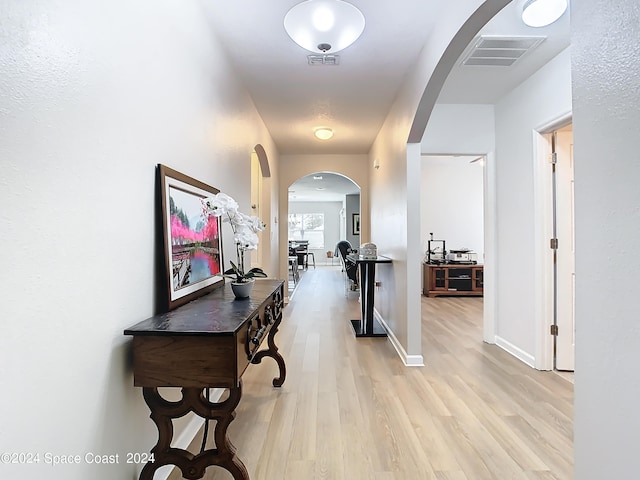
(498, 51)
(323, 59)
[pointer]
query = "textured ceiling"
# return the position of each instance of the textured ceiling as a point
(330, 188)
(354, 97)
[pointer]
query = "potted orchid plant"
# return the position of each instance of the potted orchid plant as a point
(245, 235)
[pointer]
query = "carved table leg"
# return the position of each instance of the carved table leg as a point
(193, 466)
(272, 352)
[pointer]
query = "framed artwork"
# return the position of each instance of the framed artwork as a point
(192, 246)
(355, 223)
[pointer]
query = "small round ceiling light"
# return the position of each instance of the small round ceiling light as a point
(323, 133)
(540, 13)
(322, 26)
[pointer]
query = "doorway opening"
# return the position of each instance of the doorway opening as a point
(261, 192)
(452, 202)
(323, 208)
(457, 206)
(256, 201)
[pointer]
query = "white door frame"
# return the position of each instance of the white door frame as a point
(543, 255)
(256, 203)
(490, 250)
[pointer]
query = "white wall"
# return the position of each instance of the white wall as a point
(451, 200)
(543, 97)
(461, 130)
(606, 120)
(93, 95)
(352, 205)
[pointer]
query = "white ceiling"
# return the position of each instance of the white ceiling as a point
(354, 97)
(330, 188)
(468, 84)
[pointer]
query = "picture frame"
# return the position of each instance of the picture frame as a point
(192, 257)
(355, 223)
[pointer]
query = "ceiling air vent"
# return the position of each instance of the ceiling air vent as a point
(323, 59)
(499, 51)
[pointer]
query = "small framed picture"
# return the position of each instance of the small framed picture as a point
(355, 223)
(192, 245)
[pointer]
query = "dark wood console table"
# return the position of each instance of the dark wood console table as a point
(206, 343)
(366, 326)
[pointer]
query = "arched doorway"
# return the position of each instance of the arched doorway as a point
(322, 209)
(513, 235)
(261, 206)
(294, 167)
(455, 29)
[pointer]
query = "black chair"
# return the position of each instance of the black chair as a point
(343, 248)
(301, 250)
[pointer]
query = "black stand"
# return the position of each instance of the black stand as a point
(367, 326)
(376, 330)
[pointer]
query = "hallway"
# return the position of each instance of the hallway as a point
(349, 409)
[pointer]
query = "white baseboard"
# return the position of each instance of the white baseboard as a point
(515, 351)
(189, 433)
(408, 360)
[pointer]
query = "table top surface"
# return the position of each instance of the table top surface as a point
(361, 259)
(216, 313)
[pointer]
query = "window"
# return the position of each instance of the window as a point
(307, 226)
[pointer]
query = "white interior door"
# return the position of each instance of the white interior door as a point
(256, 195)
(565, 263)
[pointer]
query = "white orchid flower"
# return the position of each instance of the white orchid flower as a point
(245, 231)
(220, 204)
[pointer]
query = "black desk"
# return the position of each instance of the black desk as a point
(300, 248)
(365, 326)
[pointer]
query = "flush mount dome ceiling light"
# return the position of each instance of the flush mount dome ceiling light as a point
(540, 13)
(321, 26)
(323, 133)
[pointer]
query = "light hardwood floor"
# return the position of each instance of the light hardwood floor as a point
(349, 409)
